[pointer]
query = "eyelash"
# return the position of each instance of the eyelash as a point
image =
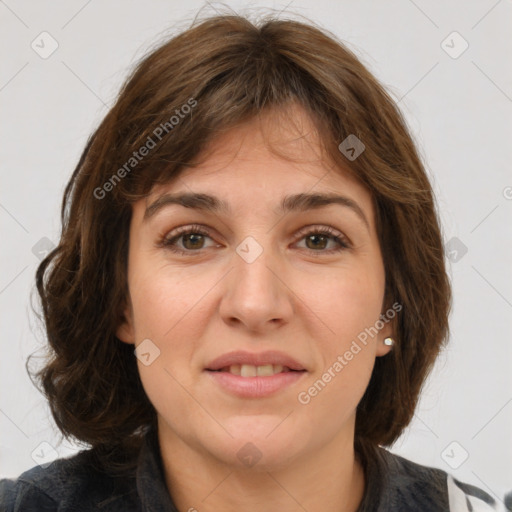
(169, 241)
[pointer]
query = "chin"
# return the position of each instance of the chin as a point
(261, 443)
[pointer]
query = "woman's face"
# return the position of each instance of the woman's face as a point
(256, 290)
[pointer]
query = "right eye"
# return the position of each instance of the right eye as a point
(191, 235)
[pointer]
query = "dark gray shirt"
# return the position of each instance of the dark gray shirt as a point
(76, 484)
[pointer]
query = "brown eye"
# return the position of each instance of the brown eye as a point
(192, 240)
(317, 240)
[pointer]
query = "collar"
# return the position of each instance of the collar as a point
(150, 479)
(378, 465)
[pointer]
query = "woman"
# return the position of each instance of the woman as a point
(249, 290)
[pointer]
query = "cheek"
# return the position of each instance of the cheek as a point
(166, 311)
(162, 297)
(349, 305)
(170, 308)
(346, 302)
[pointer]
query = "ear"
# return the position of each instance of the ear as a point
(386, 331)
(125, 331)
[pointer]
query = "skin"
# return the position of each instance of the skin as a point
(296, 297)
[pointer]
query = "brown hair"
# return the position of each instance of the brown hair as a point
(228, 69)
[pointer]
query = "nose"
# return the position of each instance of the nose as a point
(256, 294)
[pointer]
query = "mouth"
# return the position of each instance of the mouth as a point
(255, 375)
(254, 364)
(249, 370)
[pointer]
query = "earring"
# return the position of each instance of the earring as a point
(388, 341)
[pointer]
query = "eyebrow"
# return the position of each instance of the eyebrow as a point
(291, 203)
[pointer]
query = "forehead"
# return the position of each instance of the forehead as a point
(256, 163)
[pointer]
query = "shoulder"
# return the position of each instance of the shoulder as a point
(66, 484)
(412, 486)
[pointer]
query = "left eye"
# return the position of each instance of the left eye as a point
(316, 239)
(319, 238)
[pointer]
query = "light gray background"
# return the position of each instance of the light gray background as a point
(459, 110)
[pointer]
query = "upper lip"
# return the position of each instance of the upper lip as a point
(255, 359)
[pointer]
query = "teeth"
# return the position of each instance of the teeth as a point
(249, 370)
(265, 371)
(235, 369)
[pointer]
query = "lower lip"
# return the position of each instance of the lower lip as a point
(254, 387)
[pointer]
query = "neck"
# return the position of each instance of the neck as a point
(329, 480)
